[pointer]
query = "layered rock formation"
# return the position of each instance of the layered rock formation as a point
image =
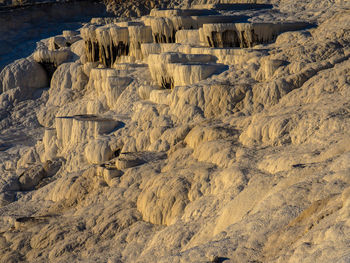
(186, 135)
(244, 34)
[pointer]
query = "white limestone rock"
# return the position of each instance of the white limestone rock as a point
(108, 37)
(50, 145)
(163, 30)
(25, 73)
(106, 44)
(137, 36)
(46, 117)
(251, 165)
(227, 56)
(184, 74)
(201, 134)
(88, 33)
(196, 102)
(14, 96)
(66, 83)
(55, 57)
(98, 151)
(163, 204)
(80, 128)
(244, 34)
(177, 69)
(145, 91)
(110, 174)
(190, 37)
(159, 96)
(270, 130)
(268, 69)
(108, 85)
(157, 48)
(78, 48)
(165, 21)
(127, 160)
(165, 139)
(28, 158)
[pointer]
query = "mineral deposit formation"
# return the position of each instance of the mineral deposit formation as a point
(210, 132)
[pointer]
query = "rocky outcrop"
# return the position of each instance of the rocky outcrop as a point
(29, 179)
(190, 37)
(106, 44)
(176, 69)
(244, 34)
(25, 73)
(80, 128)
(138, 35)
(187, 31)
(51, 59)
(109, 85)
(243, 157)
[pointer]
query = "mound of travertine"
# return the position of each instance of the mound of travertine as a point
(217, 133)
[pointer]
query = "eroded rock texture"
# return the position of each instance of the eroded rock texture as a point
(217, 133)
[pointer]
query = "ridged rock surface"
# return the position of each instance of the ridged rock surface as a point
(149, 144)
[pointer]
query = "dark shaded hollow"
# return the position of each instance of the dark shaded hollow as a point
(118, 126)
(161, 38)
(109, 54)
(43, 218)
(49, 68)
(232, 38)
(86, 116)
(116, 153)
(91, 117)
(219, 259)
(58, 47)
(92, 51)
(167, 83)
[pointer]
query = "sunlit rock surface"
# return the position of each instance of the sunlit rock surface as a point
(25, 73)
(213, 133)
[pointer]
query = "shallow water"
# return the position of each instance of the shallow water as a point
(21, 28)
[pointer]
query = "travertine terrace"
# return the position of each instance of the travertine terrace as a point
(210, 132)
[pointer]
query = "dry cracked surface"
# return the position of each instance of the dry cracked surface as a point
(101, 162)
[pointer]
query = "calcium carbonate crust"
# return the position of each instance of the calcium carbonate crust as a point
(177, 137)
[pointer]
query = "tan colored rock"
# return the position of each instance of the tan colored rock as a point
(106, 43)
(178, 69)
(137, 36)
(31, 177)
(244, 34)
(109, 85)
(190, 37)
(161, 203)
(57, 42)
(81, 128)
(21, 74)
(50, 144)
(110, 174)
(98, 151)
(128, 160)
(249, 165)
(55, 57)
(268, 69)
